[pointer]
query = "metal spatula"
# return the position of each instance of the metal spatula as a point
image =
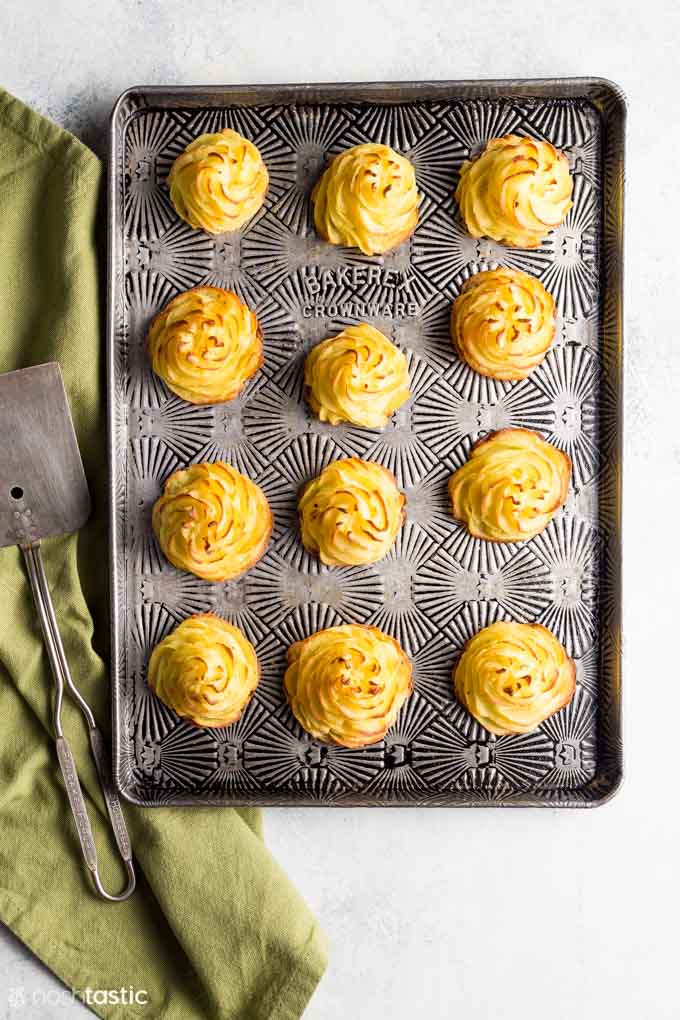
(43, 492)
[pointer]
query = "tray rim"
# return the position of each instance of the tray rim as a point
(574, 87)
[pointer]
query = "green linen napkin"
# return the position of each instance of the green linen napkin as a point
(215, 928)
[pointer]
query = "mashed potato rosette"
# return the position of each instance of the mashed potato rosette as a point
(206, 671)
(219, 182)
(516, 191)
(345, 685)
(358, 376)
(212, 521)
(503, 323)
(367, 199)
(205, 345)
(351, 513)
(510, 487)
(512, 676)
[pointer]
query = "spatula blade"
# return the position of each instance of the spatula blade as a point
(43, 490)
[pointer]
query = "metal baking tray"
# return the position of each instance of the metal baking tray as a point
(438, 586)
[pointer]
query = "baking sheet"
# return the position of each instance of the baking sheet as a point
(438, 586)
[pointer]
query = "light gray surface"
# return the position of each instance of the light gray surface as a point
(438, 913)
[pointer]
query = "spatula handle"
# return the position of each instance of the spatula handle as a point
(101, 760)
(77, 802)
(63, 679)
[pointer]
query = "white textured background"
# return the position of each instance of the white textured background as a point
(475, 914)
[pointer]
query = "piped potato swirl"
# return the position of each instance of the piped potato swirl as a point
(358, 376)
(367, 198)
(510, 487)
(206, 671)
(345, 685)
(503, 323)
(351, 513)
(212, 521)
(512, 676)
(205, 345)
(516, 191)
(219, 182)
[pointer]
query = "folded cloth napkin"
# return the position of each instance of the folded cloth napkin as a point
(215, 928)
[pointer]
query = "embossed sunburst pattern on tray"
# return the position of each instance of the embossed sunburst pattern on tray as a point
(438, 585)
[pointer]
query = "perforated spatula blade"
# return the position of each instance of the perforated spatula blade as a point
(43, 492)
